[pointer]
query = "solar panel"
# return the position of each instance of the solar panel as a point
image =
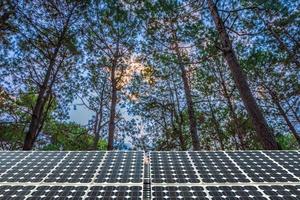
(115, 192)
(258, 175)
(172, 167)
(58, 192)
(178, 192)
(121, 167)
(289, 160)
(76, 167)
(14, 192)
(33, 168)
(260, 168)
(10, 158)
(279, 192)
(216, 167)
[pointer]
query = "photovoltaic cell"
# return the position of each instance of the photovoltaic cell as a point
(285, 192)
(174, 175)
(178, 192)
(216, 167)
(8, 192)
(76, 167)
(58, 192)
(115, 192)
(259, 167)
(33, 168)
(121, 167)
(172, 167)
(9, 158)
(235, 193)
(290, 160)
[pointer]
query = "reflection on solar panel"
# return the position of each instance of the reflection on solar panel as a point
(257, 175)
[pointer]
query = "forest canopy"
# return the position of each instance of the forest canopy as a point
(152, 74)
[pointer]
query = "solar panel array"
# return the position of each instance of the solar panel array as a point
(270, 175)
(71, 175)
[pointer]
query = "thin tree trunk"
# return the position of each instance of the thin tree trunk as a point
(285, 117)
(96, 134)
(218, 130)
(237, 125)
(188, 97)
(191, 112)
(267, 138)
(111, 125)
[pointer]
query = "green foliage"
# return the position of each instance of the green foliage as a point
(69, 136)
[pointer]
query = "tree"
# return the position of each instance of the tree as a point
(266, 136)
(48, 49)
(165, 28)
(111, 36)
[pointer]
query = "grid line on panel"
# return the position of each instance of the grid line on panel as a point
(199, 177)
(38, 184)
(58, 163)
(238, 166)
(279, 192)
(259, 167)
(18, 192)
(172, 167)
(216, 167)
(239, 192)
(122, 167)
(29, 153)
(78, 166)
(289, 160)
(283, 168)
(94, 177)
(57, 192)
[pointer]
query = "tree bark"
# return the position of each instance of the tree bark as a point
(111, 125)
(265, 135)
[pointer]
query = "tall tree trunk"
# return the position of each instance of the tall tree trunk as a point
(111, 125)
(267, 138)
(188, 96)
(36, 119)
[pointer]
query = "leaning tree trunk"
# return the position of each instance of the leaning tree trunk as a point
(36, 119)
(267, 138)
(111, 125)
(188, 96)
(285, 117)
